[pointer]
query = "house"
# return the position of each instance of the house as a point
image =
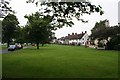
(74, 39)
(85, 39)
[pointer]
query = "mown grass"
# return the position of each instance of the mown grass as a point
(58, 61)
(3, 47)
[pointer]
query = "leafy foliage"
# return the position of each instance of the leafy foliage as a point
(63, 12)
(5, 8)
(9, 28)
(101, 31)
(39, 28)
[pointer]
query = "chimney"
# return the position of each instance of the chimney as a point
(68, 34)
(82, 32)
(75, 33)
(72, 33)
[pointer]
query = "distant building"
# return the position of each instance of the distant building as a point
(84, 40)
(75, 39)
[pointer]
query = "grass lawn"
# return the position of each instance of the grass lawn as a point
(3, 47)
(58, 61)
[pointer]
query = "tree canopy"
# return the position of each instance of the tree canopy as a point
(39, 28)
(9, 28)
(62, 12)
(101, 30)
(5, 8)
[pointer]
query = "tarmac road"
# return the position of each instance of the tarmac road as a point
(6, 51)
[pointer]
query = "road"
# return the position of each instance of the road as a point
(6, 51)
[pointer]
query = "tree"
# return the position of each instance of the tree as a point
(101, 30)
(115, 38)
(9, 28)
(39, 28)
(63, 12)
(20, 35)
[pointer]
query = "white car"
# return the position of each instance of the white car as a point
(11, 47)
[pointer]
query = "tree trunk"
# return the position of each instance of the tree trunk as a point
(8, 43)
(42, 44)
(37, 45)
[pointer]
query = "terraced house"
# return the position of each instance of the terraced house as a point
(75, 39)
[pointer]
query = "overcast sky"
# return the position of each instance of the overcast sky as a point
(110, 8)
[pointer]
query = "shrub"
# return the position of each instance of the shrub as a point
(117, 47)
(100, 44)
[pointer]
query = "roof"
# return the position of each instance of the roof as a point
(73, 36)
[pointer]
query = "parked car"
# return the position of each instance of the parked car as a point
(33, 44)
(11, 47)
(14, 47)
(19, 46)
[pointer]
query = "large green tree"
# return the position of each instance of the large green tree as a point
(101, 30)
(20, 35)
(9, 28)
(23, 35)
(39, 28)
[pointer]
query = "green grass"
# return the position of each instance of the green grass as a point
(58, 61)
(3, 47)
(0, 47)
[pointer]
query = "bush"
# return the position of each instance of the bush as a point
(117, 47)
(100, 44)
(114, 43)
